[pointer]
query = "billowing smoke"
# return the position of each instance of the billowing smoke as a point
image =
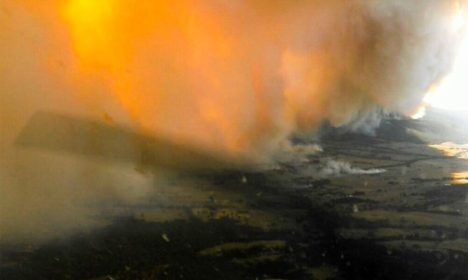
(337, 168)
(226, 77)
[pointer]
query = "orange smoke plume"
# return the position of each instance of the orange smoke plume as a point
(181, 69)
(238, 76)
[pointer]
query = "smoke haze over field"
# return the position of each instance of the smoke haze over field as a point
(227, 77)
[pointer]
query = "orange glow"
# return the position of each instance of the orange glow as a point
(147, 52)
(231, 76)
(182, 68)
(92, 28)
(455, 150)
(460, 178)
(452, 150)
(419, 113)
(458, 151)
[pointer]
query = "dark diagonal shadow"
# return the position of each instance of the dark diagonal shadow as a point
(57, 132)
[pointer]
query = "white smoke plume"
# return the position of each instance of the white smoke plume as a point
(339, 168)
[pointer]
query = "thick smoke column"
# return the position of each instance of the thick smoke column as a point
(235, 77)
